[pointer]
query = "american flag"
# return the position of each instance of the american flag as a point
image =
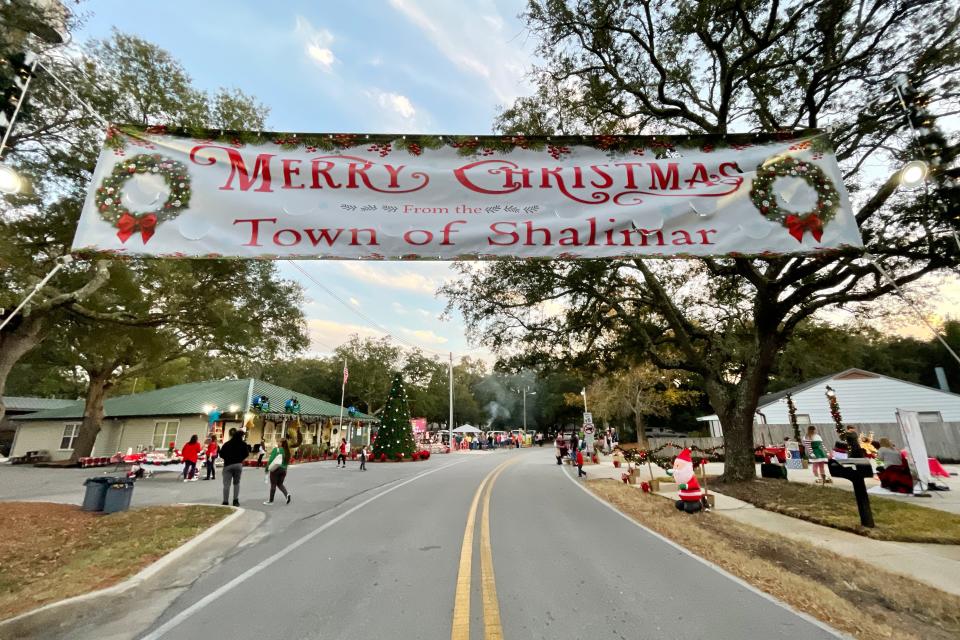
(346, 374)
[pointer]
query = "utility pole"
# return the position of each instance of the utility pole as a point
(450, 419)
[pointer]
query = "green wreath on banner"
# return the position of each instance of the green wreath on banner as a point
(764, 198)
(110, 204)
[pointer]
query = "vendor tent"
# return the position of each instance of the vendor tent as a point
(467, 428)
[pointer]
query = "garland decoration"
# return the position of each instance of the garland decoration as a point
(642, 456)
(792, 412)
(835, 410)
(110, 204)
(764, 198)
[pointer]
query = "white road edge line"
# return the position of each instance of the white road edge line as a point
(176, 620)
(743, 583)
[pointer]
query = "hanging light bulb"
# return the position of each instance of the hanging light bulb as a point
(913, 173)
(10, 182)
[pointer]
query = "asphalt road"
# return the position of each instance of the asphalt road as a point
(380, 554)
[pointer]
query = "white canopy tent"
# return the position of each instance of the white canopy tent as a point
(467, 428)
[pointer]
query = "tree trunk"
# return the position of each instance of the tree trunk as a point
(13, 346)
(92, 414)
(641, 426)
(738, 413)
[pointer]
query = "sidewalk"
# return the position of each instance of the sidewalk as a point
(935, 564)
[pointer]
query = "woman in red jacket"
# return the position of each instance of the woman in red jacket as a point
(190, 452)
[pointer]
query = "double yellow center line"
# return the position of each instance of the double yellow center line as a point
(492, 629)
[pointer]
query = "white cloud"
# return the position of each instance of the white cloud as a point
(391, 277)
(399, 308)
(425, 336)
(397, 103)
(425, 313)
(316, 43)
(326, 335)
(491, 54)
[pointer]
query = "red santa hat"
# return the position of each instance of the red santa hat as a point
(685, 455)
(692, 492)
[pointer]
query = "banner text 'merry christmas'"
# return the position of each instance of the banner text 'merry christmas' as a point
(620, 183)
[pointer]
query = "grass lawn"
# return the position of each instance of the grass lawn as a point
(49, 552)
(861, 599)
(895, 519)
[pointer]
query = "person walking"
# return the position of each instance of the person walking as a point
(580, 472)
(574, 446)
(233, 452)
(363, 458)
(816, 455)
(342, 456)
(260, 450)
(190, 453)
(560, 448)
(213, 449)
(277, 470)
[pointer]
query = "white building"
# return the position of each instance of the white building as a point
(864, 397)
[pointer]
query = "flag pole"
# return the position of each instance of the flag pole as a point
(343, 393)
(450, 421)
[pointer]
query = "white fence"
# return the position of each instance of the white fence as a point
(942, 438)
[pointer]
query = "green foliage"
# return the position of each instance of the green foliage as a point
(395, 435)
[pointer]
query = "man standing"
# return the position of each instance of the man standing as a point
(574, 446)
(233, 452)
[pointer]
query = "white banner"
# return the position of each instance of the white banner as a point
(913, 442)
(162, 193)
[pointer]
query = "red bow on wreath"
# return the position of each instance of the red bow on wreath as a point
(128, 225)
(797, 226)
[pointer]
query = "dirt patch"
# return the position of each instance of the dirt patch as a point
(49, 552)
(850, 595)
(895, 520)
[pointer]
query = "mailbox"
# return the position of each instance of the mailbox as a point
(855, 470)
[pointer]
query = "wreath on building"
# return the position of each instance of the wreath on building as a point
(109, 200)
(764, 198)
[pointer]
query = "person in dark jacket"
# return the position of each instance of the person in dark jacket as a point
(233, 452)
(574, 447)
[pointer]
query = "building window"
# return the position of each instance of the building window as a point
(70, 433)
(165, 432)
(929, 416)
(271, 432)
(803, 419)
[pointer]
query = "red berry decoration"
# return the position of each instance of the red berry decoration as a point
(764, 198)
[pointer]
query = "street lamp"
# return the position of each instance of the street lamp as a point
(10, 182)
(913, 173)
(525, 392)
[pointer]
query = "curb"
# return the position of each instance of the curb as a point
(137, 579)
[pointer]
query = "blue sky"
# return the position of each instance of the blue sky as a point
(404, 66)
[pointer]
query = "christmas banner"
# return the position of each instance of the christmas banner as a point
(166, 193)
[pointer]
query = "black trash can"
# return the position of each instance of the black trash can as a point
(118, 495)
(96, 492)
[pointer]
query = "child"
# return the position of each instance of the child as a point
(580, 471)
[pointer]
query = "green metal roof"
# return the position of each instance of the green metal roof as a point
(24, 403)
(191, 398)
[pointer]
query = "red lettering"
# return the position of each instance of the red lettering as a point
(355, 169)
(532, 229)
(408, 237)
(495, 227)
(293, 232)
(324, 234)
(723, 168)
(394, 174)
(669, 181)
(631, 183)
(684, 238)
(255, 230)
(261, 168)
(703, 235)
(464, 179)
(325, 172)
(290, 170)
(607, 180)
(355, 233)
(699, 175)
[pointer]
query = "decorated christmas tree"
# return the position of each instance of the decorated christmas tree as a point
(395, 436)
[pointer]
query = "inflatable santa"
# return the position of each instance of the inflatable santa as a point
(691, 496)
